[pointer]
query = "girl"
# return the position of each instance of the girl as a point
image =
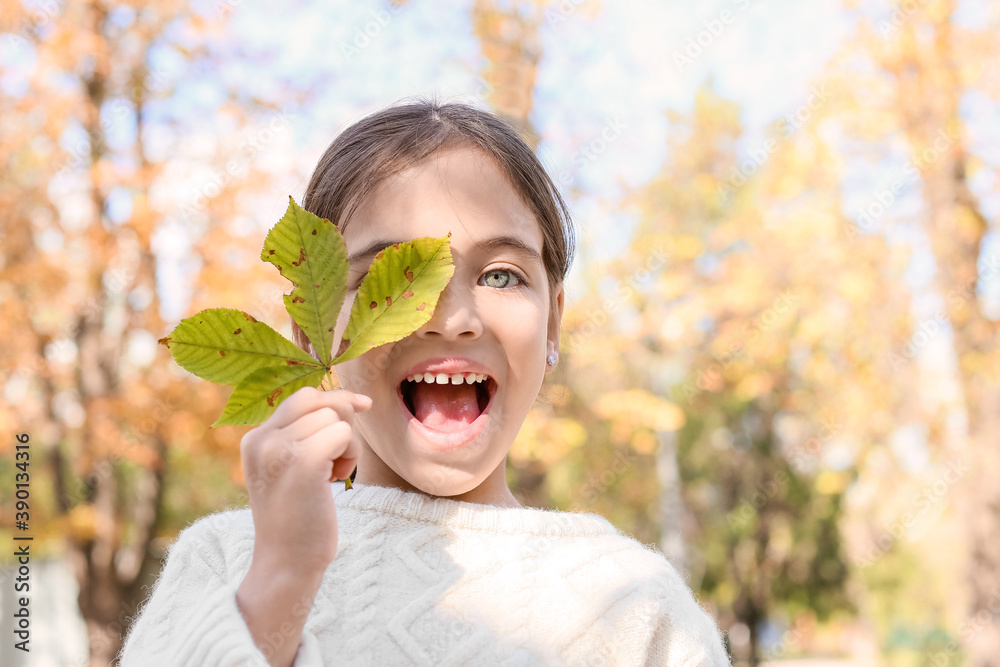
(429, 559)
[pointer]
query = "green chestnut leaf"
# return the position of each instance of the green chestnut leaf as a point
(398, 295)
(228, 346)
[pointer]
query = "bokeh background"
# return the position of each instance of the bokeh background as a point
(779, 357)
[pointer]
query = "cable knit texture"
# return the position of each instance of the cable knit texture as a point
(420, 580)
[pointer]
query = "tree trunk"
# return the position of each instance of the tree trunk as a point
(671, 505)
(929, 90)
(510, 42)
(110, 573)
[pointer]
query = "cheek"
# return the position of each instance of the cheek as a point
(345, 314)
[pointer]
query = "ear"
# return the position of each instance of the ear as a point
(555, 322)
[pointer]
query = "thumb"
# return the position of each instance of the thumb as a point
(361, 401)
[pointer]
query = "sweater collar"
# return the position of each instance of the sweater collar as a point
(417, 506)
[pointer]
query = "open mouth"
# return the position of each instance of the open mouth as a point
(447, 402)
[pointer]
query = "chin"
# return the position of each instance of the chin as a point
(434, 480)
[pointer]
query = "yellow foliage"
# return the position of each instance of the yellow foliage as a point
(687, 247)
(855, 287)
(82, 522)
(644, 442)
(754, 385)
(640, 408)
(830, 482)
(546, 439)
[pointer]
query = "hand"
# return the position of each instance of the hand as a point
(289, 462)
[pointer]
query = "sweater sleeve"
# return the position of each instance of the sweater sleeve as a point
(685, 636)
(192, 619)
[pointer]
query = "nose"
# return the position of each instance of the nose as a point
(455, 316)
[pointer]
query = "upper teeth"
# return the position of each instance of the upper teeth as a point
(447, 378)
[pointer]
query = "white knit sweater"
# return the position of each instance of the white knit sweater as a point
(420, 580)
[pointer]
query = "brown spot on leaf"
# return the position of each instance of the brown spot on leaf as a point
(423, 304)
(388, 301)
(408, 274)
(238, 332)
(407, 294)
(249, 316)
(270, 252)
(344, 344)
(314, 232)
(165, 341)
(274, 394)
(330, 329)
(302, 257)
(222, 352)
(315, 286)
(298, 299)
(373, 305)
(294, 362)
(279, 267)
(379, 254)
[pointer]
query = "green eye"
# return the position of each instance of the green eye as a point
(501, 278)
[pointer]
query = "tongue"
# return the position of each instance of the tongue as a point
(445, 407)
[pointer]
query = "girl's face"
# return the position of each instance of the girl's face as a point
(493, 318)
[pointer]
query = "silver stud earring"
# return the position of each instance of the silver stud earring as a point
(551, 360)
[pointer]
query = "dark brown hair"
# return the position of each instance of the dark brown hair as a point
(398, 137)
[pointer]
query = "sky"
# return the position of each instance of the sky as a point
(604, 65)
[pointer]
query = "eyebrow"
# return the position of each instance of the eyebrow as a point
(486, 245)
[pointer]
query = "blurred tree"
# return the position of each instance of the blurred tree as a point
(936, 63)
(509, 37)
(85, 230)
(749, 318)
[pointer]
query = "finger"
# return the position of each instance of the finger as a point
(307, 399)
(312, 422)
(348, 461)
(325, 446)
(293, 407)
